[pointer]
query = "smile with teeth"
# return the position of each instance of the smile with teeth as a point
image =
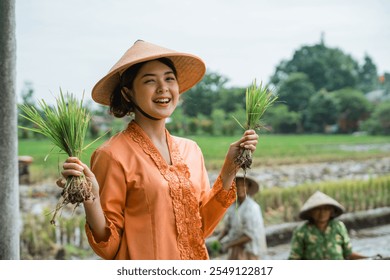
(162, 100)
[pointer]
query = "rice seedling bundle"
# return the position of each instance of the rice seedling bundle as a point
(258, 99)
(66, 126)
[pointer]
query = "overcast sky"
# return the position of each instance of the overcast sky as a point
(73, 43)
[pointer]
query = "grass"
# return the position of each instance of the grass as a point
(271, 150)
(44, 167)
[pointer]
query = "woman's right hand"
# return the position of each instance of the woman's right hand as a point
(95, 217)
(75, 167)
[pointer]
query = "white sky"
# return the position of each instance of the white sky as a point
(73, 43)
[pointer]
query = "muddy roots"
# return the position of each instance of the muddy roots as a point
(76, 191)
(244, 159)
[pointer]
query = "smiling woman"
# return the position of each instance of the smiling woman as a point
(154, 77)
(152, 192)
(122, 100)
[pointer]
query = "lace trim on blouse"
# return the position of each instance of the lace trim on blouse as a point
(225, 197)
(186, 206)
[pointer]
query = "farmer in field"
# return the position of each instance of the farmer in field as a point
(152, 193)
(244, 233)
(321, 237)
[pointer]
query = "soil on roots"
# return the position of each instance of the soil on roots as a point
(244, 160)
(76, 191)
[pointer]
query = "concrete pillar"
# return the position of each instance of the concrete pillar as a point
(9, 185)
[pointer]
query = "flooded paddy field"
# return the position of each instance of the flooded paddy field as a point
(298, 174)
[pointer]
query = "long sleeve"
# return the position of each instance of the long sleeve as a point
(346, 243)
(113, 194)
(215, 206)
(297, 245)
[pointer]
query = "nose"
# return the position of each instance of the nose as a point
(162, 89)
(162, 85)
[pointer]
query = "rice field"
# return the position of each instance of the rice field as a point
(271, 150)
(290, 149)
(279, 205)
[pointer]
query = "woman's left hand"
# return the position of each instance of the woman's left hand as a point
(248, 141)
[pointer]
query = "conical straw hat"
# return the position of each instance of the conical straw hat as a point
(190, 68)
(253, 186)
(320, 199)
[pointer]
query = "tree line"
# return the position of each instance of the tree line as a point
(320, 90)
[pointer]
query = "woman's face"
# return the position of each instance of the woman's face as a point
(156, 90)
(322, 213)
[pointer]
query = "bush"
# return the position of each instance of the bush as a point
(379, 122)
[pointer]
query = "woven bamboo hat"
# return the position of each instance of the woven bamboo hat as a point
(320, 199)
(253, 186)
(190, 68)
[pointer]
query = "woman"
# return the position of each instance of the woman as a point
(152, 194)
(321, 237)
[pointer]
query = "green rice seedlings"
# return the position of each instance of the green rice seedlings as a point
(258, 99)
(65, 124)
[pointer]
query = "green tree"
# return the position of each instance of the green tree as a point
(379, 122)
(321, 112)
(353, 107)
(200, 99)
(281, 120)
(296, 91)
(28, 99)
(384, 82)
(328, 68)
(218, 119)
(178, 123)
(231, 127)
(230, 99)
(205, 125)
(27, 94)
(368, 75)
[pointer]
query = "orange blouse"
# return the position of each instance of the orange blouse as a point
(155, 210)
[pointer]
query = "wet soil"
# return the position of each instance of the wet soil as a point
(298, 174)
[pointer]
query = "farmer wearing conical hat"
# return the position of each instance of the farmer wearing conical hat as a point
(153, 198)
(244, 233)
(321, 237)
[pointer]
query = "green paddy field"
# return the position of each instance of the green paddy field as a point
(271, 150)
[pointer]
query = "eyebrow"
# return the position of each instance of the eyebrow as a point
(153, 75)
